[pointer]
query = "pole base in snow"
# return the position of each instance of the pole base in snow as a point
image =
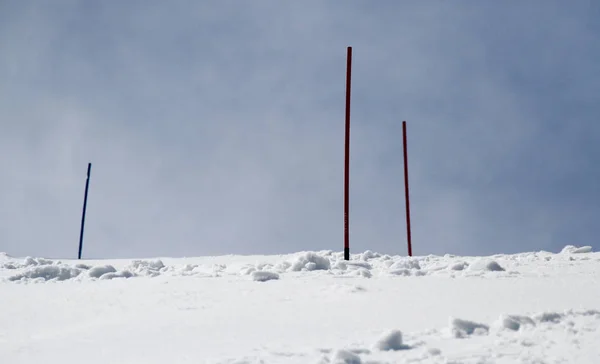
(346, 253)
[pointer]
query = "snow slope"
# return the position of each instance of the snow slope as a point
(309, 307)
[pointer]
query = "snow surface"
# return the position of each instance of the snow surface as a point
(308, 307)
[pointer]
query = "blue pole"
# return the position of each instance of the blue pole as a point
(87, 185)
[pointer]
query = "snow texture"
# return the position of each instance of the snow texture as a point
(46, 273)
(99, 271)
(462, 328)
(390, 341)
(515, 322)
(345, 357)
(310, 261)
(533, 307)
(570, 249)
(486, 266)
(263, 276)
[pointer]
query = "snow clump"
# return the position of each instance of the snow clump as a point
(308, 262)
(150, 268)
(571, 249)
(345, 357)
(113, 275)
(515, 322)
(463, 328)
(97, 272)
(263, 276)
(486, 266)
(46, 273)
(391, 340)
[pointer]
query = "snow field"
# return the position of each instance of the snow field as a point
(365, 265)
(309, 307)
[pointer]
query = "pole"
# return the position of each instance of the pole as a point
(406, 196)
(87, 185)
(347, 159)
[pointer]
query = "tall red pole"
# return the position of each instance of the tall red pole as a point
(406, 189)
(347, 158)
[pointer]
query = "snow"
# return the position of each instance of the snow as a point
(576, 250)
(485, 265)
(99, 271)
(515, 322)
(391, 340)
(345, 357)
(263, 276)
(462, 328)
(308, 307)
(46, 273)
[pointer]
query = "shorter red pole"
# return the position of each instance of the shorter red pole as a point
(406, 196)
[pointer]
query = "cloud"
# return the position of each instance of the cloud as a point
(218, 128)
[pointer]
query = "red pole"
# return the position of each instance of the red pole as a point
(406, 189)
(347, 158)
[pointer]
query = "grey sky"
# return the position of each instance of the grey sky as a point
(217, 127)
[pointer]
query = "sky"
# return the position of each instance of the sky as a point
(217, 127)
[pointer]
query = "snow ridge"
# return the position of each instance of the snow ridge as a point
(308, 307)
(364, 265)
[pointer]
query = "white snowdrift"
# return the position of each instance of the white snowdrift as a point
(570, 249)
(263, 276)
(391, 340)
(363, 265)
(318, 308)
(462, 328)
(47, 273)
(541, 324)
(485, 265)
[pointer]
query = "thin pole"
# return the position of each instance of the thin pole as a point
(87, 185)
(406, 196)
(347, 159)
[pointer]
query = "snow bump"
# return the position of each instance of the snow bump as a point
(345, 357)
(310, 261)
(46, 273)
(97, 272)
(571, 249)
(263, 276)
(391, 340)
(463, 328)
(515, 322)
(485, 265)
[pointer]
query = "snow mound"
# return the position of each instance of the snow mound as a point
(150, 268)
(263, 276)
(309, 261)
(485, 265)
(404, 267)
(553, 317)
(406, 264)
(571, 249)
(8, 265)
(391, 340)
(515, 322)
(46, 273)
(464, 328)
(97, 272)
(458, 266)
(345, 357)
(113, 275)
(367, 255)
(29, 262)
(362, 272)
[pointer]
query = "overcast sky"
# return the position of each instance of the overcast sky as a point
(217, 127)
